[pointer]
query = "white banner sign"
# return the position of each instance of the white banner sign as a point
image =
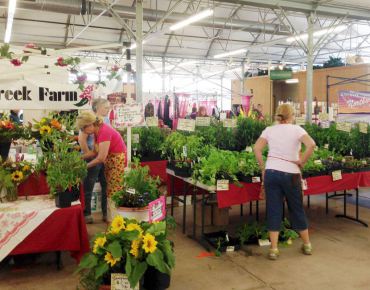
(128, 115)
(31, 95)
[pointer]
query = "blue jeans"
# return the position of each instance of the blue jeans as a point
(93, 174)
(280, 185)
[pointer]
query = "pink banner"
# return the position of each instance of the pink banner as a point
(353, 102)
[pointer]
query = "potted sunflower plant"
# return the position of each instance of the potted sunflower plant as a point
(127, 247)
(9, 131)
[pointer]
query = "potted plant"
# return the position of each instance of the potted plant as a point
(8, 131)
(150, 142)
(64, 169)
(140, 188)
(127, 247)
(248, 167)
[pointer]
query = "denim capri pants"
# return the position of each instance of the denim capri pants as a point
(280, 185)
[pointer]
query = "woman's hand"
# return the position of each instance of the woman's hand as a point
(299, 163)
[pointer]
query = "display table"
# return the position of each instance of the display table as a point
(157, 168)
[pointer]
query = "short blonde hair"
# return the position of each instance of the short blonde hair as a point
(98, 102)
(87, 118)
(284, 112)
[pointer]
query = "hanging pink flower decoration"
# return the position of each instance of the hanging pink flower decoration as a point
(60, 62)
(16, 62)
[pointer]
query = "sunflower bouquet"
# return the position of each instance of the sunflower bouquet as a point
(126, 247)
(9, 130)
(47, 126)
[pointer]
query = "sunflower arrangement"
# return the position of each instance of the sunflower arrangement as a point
(47, 125)
(126, 247)
(9, 130)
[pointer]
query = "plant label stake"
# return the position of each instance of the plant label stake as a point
(120, 282)
(222, 185)
(131, 190)
(135, 138)
(337, 175)
(152, 121)
(185, 151)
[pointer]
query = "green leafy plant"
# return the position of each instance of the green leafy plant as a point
(248, 164)
(287, 235)
(150, 141)
(333, 62)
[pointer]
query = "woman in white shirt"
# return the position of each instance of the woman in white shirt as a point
(282, 175)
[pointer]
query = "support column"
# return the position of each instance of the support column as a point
(309, 72)
(139, 51)
(222, 91)
(163, 76)
(242, 85)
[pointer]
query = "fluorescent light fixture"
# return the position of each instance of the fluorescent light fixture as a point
(192, 19)
(230, 53)
(318, 33)
(133, 46)
(9, 24)
(292, 81)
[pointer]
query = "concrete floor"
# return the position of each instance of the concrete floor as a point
(341, 260)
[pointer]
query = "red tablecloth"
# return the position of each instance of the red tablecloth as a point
(365, 179)
(157, 168)
(63, 230)
(238, 195)
(34, 185)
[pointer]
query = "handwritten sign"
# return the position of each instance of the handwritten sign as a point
(120, 282)
(135, 138)
(203, 121)
(301, 121)
(222, 185)
(363, 127)
(157, 209)
(344, 126)
(324, 116)
(128, 115)
(230, 123)
(318, 162)
(325, 124)
(186, 125)
(222, 116)
(337, 175)
(152, 121)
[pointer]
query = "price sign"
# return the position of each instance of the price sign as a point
(326, 146)
(304, 184)
(301, 121)
(325, 124)
(157, 209)
(131, 190)
(203, 121)
(135, 138)
(318, 162)
(344, 126)
(222, 116)
(324, 116)
(186, 125)
(256, 179)
(185, 151)
(363, 127)
(337, 175)
(222, 185)
(120, 282)
(152, 121)
(230, 123)
(128, 115)
(249, 149)
(230, 249)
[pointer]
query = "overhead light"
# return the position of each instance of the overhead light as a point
(9, 24)
(230, 53)
(133, 46)
(292, 81)
(318, 33)
(192, 19)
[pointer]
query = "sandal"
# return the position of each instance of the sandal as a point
(307, 249)
(273, 254)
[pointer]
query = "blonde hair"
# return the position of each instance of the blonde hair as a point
(97, 103)
(284, 112)
(87, 118)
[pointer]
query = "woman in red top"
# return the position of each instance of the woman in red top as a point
(110, 149)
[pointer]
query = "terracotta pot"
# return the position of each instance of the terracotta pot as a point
(104, 287)
(138, 213)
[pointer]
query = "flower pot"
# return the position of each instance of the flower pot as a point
(104, 287)
(156, 280)
(244, 178)
(138, 213)
(183, 172)
(4, 150)
(63, 199)
(151, 157)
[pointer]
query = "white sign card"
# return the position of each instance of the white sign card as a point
(135, 138)
(256, 179)
(249, 149)
(120, 282)
(337, 175)
(152, 121)
(301, 121)
(344, 126)
(324, 116)
(203, 121)
(363, 127)
(222, 116)
(128, 115)
(230, 123)
(325, 124)
(186, 125)
(222, 185)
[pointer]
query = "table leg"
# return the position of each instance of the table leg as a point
(308, 201)
(203, 204)
(184, 209)
(172, 185)
(194, 211)
(241, 210)
(257, 210)
(59, 261)
(251, 208)
(344, 215)
(327, 203)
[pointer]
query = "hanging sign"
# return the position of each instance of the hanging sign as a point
(28, 95)
(230, 123)
(222, 185)
(152, 121)
(281, 74)
(363, 127)
(120, 282)
(128, 115)
(203, 121)
(344, 126)
(354, 102)
(301, 121)
(157, 209)
(186, 125)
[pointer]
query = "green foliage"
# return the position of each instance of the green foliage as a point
(150, 141)
(248, 131)
(333, 62)
(252, 231)
(7, 187)
(248, 164)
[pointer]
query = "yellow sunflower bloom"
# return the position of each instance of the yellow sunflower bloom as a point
(135, 248)
(110, 260)
(99, 243)
(26, 168)
(17, 176)
(135, 227)
(117, 225)
(149, 243)
(45, 129)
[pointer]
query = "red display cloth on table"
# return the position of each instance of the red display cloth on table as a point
(63, 230)
(365, 179)
(34, 185)
(157, 168)
(322, 184)
(238, 195)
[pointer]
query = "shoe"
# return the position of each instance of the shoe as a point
(89, 219)
(273, 254)
(307, 249)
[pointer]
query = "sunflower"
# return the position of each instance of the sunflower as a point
(134, 227)
(17, 176)
(117, 225)
(135, 248)
(26, 168)
(149, 243)
(110, 260)
(45, 129)
(99, 243)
